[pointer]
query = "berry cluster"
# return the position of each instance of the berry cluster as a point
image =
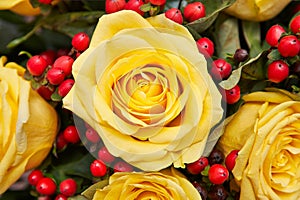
(210, 174)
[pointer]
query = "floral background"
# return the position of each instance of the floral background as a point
(126, 104)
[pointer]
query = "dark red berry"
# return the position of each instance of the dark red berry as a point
(68, 187)
(46, 186)
(61, 197)
(64, 63)
(216, 157)
(81, 41)
(61, 142)
(35, 176)
(36, 65)
(98, 168)
(105, 156)
(230, 159)
(112, 6)
(295, 24)
(158, 2)
(198, 166)
(92, 136)
(273, 35)
(278, 71)
(135, 5)
(194, 11)
(62, 52)
(296, 68)
(289, 46)
(45, 1)
(201, 189)
(206, 46)
(65, 87)
(175, 15)
(233, 95)
(45, 91)
(49, 56)
(220, 69)
(218, 174)
(55, 76)
(217, 192)
(71, 134)
(240, 55)
(122, 166)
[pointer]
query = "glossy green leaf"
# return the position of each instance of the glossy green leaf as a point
(252, 35)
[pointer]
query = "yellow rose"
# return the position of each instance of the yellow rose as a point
(256, 10)
(28, 125)
(144, 87)
(168, 184)
(21, 7)
(266, 130)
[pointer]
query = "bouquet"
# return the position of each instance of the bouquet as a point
(149, 99)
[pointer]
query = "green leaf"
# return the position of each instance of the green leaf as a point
(89, 192)
(55, 96)
(251, 32)
(274, 55)
(78, 197)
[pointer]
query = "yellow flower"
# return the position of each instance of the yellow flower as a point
(168, 184)
(256, 10)
(28, 125)
(266, 129)
(143, 86)
(21, 7)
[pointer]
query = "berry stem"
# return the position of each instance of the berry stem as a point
(179, 4)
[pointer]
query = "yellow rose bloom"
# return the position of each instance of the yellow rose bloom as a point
(266, 130)
(168, 184)
(256, 10)
(144, 87)
(28, 125)
(21, 7)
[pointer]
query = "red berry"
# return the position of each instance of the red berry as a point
(206, 46)
(122, 166)
(61, 197)
(198, 166)
(220, 69)
(105, 156)
(98, 168)
(112, 6)
(158, 2)
(230, 159)
(81, 41)
(61, 142)
(55, 76)
(194, 11)
(64, 63)
(34, 177)
(65, 87)
(45, 92)
(45, 1)
(68, 187)
(233, 94)
(295, 24)
(218, 174)
(175, 15)
(46, 186)
(92, 136)
(135, 6)
(71, 134)
(273, 35)
(278, 71)
(289, 46)
(49, 56)
(36, 65)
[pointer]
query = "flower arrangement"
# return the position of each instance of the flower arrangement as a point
(151, 99)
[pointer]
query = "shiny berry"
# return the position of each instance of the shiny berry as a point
(295, 24)
(230, 159)
(61, 142)
(216, 157)
(49, 56)
(175, 15)
(65, 87)
(45, 92)
(194, 11)
(122, 166)
(46, 186)
(289, 46)
(233, 95)
(45, 1)
(92, 136)
(105, 156)
(240, 55)
(135, 5)
(35, 176)
(80, 41)
(64, 63)
(158, 2)
(273, 35)
(55, 76)
(36, 65)
(206, 46)
(217, 192)
(61, 197)
(71, 134)
(198, 166)
(220, 69)
(278, 71)
(201, 189)
(112, 6)
(68, 187)
(98, 168)
(218, 174)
